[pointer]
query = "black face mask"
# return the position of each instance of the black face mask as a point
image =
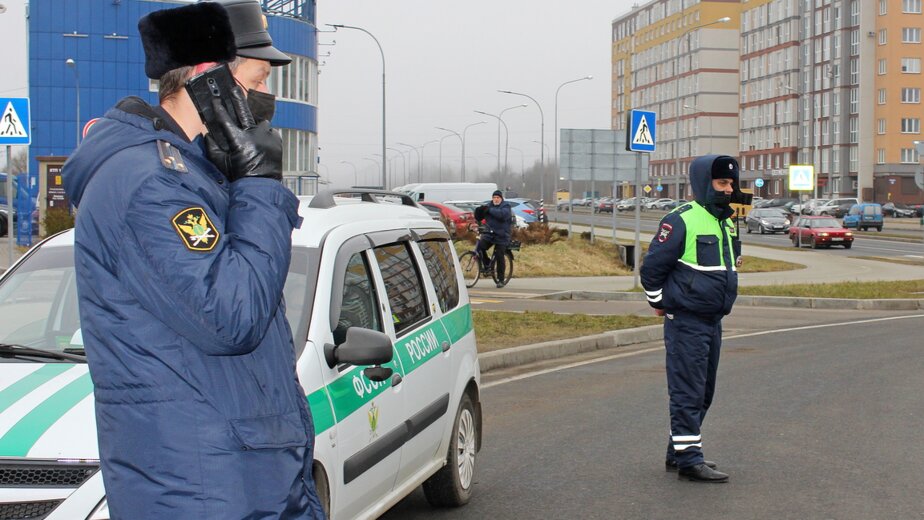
(262, 105)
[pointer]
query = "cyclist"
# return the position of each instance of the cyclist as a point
(498, 216)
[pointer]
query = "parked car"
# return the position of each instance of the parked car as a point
(673, 204)
(604, 205)
(816, 231)
(899, 210)
(460, 220)
(784, 202)
(809, 206)
(830, 207)
(864, 216)
(370, 285)
(627, 204)
(524, 209)
(656, 203)
(767, 220)
(918, 209)
(543, 215)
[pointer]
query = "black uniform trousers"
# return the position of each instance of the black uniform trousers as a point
(500, 248)
(693, 344)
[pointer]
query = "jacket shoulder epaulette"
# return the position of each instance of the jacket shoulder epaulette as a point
(170, 157)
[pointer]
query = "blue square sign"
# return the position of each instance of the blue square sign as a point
(642, 130)
(14, 121)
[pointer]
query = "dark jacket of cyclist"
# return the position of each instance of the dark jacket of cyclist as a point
(498, 216)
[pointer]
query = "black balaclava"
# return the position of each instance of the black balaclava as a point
(718, 203)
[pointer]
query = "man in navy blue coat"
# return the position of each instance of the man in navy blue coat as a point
(498, 216)
(180, 273)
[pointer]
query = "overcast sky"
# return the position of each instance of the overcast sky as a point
(445, 59)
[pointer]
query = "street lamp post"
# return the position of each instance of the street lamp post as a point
(463, 145)
(440, 158)
(541, 138)
(423, 154)
(507, 133)
(522, 170)
(686, 33)
(355, 175)
(557, 167)
(412, 147)
(461, 140)
(73, 65)
(342, 26)
(499, 123)
(403, 163)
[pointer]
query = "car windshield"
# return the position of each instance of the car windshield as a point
(38, 300)
(824, 222)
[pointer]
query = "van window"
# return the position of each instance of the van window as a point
(403, 285)
(855, 210)
(442, 271)
(359, 307)
(872, 210)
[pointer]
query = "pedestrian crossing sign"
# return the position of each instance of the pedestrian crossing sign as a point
(642, 131)
(14, 121)
(801, 177)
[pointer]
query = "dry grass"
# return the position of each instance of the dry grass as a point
(859, 290)
(496, 330)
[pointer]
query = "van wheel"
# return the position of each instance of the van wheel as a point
(323, 486)
(451, 486)
(879, 229)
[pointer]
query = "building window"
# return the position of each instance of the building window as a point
(854, 71)
(882, 96)
(854, 159)
(883, 7)
(911, 95)
(883, 37)
(911, 35)
(911, 125)
(911, 6)
(854, 12)
(855, 42)
(880, 156)
(909, 156)
(882, 126)
(854, 101)
(911, 65)
(854, 130)
(883, 68)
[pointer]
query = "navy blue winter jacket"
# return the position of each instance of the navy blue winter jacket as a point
(180, 276)
(500, 219)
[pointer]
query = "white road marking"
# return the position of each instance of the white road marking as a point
(655, 349)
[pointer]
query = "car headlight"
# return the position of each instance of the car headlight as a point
(764, 222)
(849, 234)
(822, 234)
(786, 222)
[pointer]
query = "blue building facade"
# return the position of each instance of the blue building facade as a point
(85, 55)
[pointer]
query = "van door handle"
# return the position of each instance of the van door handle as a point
(396, 380)
(446, 346)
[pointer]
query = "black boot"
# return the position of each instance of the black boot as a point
(671, 465)
(702, 473)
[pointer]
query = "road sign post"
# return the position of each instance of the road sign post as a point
(641, 137)
(14, 130)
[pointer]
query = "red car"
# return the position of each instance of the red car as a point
(459, 219)
(819, 231)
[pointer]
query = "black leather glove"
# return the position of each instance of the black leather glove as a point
(254, 151)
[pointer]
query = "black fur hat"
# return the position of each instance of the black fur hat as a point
(188, 35)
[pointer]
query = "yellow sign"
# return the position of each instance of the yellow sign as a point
(648, 188)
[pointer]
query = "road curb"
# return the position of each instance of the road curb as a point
(525, 354)
(881, 304)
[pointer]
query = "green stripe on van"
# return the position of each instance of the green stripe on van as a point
(23, 435)
(459, 323)
(16, 391)
(321, 414)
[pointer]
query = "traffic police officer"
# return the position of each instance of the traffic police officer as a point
(180, 273)
(690, 277)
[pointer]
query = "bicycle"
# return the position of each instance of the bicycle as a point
(473, 268)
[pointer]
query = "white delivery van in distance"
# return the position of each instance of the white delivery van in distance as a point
(443, 191)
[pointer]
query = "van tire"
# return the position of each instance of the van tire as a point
(451, 486)
(879, 228)
(322, 485)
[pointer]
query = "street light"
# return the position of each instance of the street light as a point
(697, 110)
(812, 119)
(73, 65)
(412, 147)
(686, 33)
(463, 145)
(423, 154)
(522, 170)
(403, 163)
(378, 166)
(557, 167)
(499, 123)
(355, 175)
(341, 26)
(542, 139)
(457, 134)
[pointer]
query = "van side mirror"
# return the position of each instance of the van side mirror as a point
(362, 347)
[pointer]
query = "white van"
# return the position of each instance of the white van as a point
(443, 191)
(365, 275)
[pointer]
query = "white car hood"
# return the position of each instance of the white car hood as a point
(46, 411)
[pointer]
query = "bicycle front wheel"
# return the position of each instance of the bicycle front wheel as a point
(508, 270)
(471, 270)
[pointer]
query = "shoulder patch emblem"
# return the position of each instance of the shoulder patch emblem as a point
(170, 157)
(664, 232)
(196, 230)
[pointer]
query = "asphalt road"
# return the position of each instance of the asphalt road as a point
(813, 423)
(866, 243)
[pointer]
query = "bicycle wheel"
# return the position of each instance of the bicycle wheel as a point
(470, 269)
(508, 270)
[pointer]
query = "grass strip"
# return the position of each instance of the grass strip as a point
(499, 329)
(854, 290)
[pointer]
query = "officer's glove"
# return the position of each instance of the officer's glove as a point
(253, 151)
